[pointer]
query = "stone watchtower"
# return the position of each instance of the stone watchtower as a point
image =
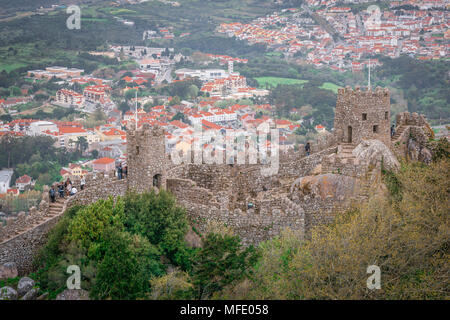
(362, 115)
(146, 161)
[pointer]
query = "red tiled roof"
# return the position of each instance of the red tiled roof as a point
(67, 130)
(104, 161)
(24, 179)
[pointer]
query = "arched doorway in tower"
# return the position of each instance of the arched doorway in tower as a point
(349, 135)
(157, 180)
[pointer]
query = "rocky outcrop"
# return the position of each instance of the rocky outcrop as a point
(324, 186)
(372, 151)
(25, 289)
(324, 196)
(25, 284)
(418, 152)
(8, 293)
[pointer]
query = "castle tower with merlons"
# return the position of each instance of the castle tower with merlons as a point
(362, 114)
(146, 160)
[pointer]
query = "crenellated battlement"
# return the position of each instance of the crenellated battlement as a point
(146, 158)
(362, 92)
(411, 119)
(362, 114)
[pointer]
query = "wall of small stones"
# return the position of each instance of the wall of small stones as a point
(146, 158)
(30, 237)
(305, 165)
(24, 220)
(350, 107)
(414, 142)
(265, 220)
(100, 190)
(23, 248)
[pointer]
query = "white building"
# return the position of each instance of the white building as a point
(69, 98)
(149, 64)
(37, 128)
(5, 179)
(203, 75)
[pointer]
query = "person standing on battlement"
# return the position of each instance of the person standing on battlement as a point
(125, 172)
(61, 190)
(82, 182)
(119, 171)
(52, 194)
(308, 148)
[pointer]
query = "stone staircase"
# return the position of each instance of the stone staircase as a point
(56, 208)
(345, 153)
(398, 133)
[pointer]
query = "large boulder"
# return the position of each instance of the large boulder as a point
(8, 293)
(25, 284)
(417, 152)
(325, 186)
(373, 151)
(8, 270)
(72, 294)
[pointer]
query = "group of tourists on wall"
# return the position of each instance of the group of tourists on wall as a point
(65, 189)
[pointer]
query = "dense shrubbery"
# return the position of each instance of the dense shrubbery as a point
(127, 246)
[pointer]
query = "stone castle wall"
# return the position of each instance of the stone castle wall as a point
(261, 222)
(23, 236)
(362, 114)
(413, 143)
(23, 248)
(146, 158)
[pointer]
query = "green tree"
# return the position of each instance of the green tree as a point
(161, 221)
(124, 107)
(91, 222)
(127, 267)
(221, 261)
(82, 144)
(129, 94)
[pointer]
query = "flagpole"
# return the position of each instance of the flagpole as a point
(136, 113)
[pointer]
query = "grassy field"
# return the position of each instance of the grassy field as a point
(95, 19)
(122, 11)
(27, 54)
(330, 86)
(274, 81)
(274, 54)
(11, 66)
